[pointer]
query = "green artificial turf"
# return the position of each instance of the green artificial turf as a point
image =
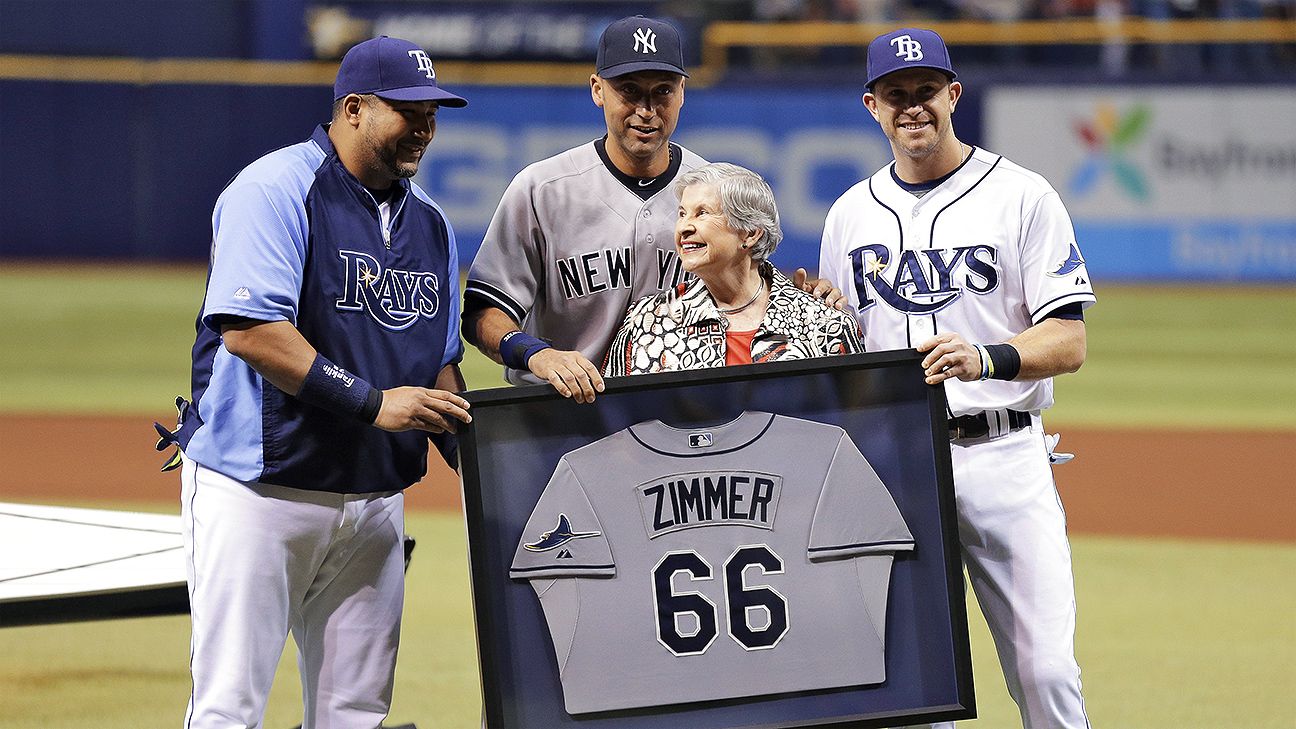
(1201, 357)
(116, 339)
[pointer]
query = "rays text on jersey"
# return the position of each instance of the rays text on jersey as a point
(394, 298)
(707, 498)
(922, 281)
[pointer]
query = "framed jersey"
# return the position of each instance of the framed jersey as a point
(764, 546)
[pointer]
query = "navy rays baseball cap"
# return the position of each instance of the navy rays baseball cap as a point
(639, 44)
(907, 48)
(391, 68)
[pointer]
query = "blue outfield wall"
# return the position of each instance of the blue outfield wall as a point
(119, 171)
(1172, 250)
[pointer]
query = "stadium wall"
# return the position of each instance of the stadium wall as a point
(1164, 183)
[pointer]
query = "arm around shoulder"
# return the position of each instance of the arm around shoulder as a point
(846, 335)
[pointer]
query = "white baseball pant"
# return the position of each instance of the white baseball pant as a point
(267, 560)
(1013, 533)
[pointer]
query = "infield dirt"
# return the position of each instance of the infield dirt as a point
(1193, 484)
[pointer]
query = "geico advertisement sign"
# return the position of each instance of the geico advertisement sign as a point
(1153, 152)
(810, 146)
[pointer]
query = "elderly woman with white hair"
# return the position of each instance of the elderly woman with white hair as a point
(739, 309)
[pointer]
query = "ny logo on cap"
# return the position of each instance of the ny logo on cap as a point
(645, 40)
(907, 48)
(424, 63)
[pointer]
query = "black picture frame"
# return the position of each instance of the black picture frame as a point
(518, 435)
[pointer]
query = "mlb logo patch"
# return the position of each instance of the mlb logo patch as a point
(701, 440)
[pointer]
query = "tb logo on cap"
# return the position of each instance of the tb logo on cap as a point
(907, 48)
(645, 40)
(425, 63)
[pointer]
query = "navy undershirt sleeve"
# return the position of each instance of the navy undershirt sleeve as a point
(1069, 311)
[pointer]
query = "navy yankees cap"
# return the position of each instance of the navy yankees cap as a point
(391, 68)
(907, 48)
(639, 44)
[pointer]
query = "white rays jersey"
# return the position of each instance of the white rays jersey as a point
(746, 559)
(570, 248)
(987, 254)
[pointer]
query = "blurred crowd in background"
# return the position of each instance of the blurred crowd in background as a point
(1139, 40)
(490, 30)
(1118, 57)
(905, 11)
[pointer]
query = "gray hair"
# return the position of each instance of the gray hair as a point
(745, 199)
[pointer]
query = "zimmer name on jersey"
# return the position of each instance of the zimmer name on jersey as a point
(714, 497)
(747, 559)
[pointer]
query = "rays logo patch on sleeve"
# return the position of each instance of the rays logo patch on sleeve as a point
(558, 536)
(1073, 261)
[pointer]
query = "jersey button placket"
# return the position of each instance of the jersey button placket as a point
(916, 239)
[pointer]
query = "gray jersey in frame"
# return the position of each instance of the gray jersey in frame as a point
(747, 559)
(570, 248)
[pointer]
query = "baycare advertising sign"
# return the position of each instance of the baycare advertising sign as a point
(1163, 182)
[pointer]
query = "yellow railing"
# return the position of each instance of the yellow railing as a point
(719, 38)
(717, 41)
(145, 72)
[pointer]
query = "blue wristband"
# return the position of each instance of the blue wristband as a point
(334, 389)
(516, 348)
(987, 365)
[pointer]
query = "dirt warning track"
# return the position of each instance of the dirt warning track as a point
(1195, 484)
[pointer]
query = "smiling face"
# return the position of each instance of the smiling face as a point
(394, 135)
(641, 110)
(707, 245)
(914, 109)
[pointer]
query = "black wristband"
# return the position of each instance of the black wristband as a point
(334, 389)
(372, 405)
(516, 348)
(1005, 359)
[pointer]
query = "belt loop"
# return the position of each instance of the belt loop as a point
(994, 423)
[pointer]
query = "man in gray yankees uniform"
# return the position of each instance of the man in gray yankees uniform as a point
(579, 236)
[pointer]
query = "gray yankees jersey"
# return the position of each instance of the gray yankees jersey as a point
(746, 559)
(570, 248)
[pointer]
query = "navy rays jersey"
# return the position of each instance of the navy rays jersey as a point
(373, 287)
(746, 559)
